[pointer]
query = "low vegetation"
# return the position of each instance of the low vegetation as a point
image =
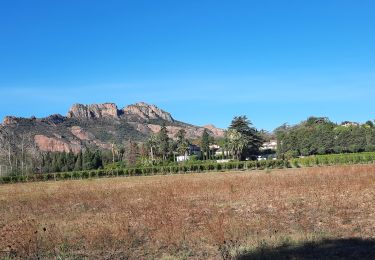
(198, 167)
(195, 216)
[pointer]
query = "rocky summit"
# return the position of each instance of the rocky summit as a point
(92, 126)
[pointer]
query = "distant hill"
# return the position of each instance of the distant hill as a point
(92, 126)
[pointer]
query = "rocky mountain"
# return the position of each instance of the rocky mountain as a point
(92, 126)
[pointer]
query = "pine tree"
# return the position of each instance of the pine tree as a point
(253, 140)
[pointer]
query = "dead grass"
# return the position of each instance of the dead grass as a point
(212, 215)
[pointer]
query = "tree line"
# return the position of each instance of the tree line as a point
(318, 135)
(241, 141)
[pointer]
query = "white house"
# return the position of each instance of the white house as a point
(348, 124)
(182, 158)
(271, 145)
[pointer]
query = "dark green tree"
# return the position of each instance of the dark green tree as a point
(205, 144)
(370, 123)
(182, 143)
(78, 163)
(163, 142)
(97, 160)
(251, 136)
(88, 158)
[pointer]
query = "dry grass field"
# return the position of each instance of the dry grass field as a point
(195, 216)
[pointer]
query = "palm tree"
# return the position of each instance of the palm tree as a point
(182, 143)
(236, 142)
(153, 143)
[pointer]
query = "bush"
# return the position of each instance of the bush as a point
(261, 165)
(121, 172)
(77, 175)
(20, 178)
(101, 173)
(66, 175)
(6, 179)
(251, 165)
(85, 174)
(210, 167)
(240, 165)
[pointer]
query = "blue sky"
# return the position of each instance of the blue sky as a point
(204, 61)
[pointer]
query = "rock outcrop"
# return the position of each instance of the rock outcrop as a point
(51, 144)
(10, 120)
(106, 110)
(109, 110)
(146, 111)
(81, 134)
(54, 119)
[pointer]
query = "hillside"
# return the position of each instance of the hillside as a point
(93, 126)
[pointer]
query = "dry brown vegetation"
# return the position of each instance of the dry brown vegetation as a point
(196, 216)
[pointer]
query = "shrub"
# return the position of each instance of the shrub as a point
(240, 165)
(6, 179)
(77, 175)
(20, 178)
(101, 173)
(210, 167)
(48, 176)
(121, 172)
(85, 174)
(173, 169)
(66, 175)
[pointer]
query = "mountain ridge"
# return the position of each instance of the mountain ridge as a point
(92, 126)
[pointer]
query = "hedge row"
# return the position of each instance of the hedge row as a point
(148, 171)
(334, 159)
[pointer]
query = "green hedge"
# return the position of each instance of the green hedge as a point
(334, 159)
(318, 160)
(146, 171)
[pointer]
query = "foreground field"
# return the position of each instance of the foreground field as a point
(275, 213)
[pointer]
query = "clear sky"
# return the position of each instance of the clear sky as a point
(204, 61)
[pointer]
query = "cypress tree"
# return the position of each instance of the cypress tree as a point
(205, 144)
(78, 163)
(163, 141)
